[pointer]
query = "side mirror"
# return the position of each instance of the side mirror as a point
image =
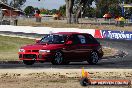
(37, 41)
(69, 42)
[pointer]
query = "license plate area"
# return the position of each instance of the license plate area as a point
(30, 56)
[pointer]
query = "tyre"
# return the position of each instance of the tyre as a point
(58, 58)
(94, 58)
(29, 62)
(66, 62)
(85, 82)
(41, 61)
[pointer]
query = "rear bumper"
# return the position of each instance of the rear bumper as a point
(36, 56)
(100, 53)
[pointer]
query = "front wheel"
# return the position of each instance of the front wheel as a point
(93, 59)
(28, 62)
(58, 58)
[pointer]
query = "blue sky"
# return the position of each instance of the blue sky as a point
(47, 4)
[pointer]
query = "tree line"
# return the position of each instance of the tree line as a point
(78, 7)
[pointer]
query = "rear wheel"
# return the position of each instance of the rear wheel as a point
(29, 62)
(41, 61)
(94, 58)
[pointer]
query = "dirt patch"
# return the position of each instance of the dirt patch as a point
(42, 83)
(110, 51)
(57, 78)
(113, 53)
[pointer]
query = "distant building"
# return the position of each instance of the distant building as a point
(6, 10)
(8, 14)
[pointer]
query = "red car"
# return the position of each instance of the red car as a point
(62, 48)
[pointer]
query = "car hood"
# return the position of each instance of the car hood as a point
(42, 46)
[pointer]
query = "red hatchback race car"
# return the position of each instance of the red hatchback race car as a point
(62, 48)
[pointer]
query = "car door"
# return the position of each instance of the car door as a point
(85, 46)
(82, 48)
(91, 44)
(78, 48)
(70, 51)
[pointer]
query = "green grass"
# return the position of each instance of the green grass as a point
(9, 47)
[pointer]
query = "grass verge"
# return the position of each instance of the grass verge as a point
(9, 47)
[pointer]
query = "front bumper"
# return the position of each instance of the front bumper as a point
(36, 56)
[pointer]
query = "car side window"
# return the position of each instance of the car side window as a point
(91, 40)
(75, 39)
(82, 39)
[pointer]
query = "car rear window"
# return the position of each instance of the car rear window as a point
(91, 40)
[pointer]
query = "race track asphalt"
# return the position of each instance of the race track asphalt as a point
(118, 62)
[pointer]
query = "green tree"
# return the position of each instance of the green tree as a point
(108, 6)
(76, 7)
(115, 10)
(90, 12)
(62, 10)
(29, 10)
(54, 11)
(17, 3)
(81, 7)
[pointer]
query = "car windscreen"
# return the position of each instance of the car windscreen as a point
(54, 39)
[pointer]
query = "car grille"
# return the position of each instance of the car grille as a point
(34, 51)
(29, 56)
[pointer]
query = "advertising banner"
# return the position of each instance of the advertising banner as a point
(116, 34)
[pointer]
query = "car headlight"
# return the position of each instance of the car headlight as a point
(44, 51)
(21, 50)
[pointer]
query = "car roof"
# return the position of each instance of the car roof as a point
(69, 33)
